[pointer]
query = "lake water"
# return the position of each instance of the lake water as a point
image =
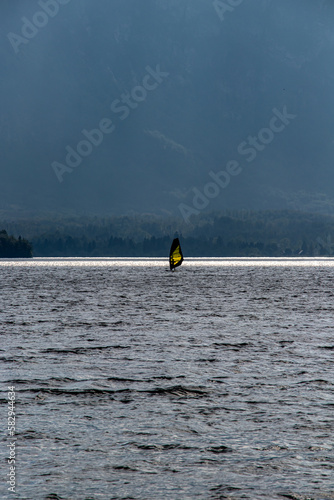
(132, 382)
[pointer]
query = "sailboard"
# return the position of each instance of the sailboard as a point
(175, 254)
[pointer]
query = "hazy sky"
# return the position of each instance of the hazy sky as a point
(113, 106)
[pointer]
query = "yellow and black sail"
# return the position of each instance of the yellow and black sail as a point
(175, 254)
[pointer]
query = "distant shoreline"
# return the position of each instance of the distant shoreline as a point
(14, 248)
(243, 233)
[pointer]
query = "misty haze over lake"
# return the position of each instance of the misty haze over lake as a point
(74, 68)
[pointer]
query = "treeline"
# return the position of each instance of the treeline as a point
(67, 246)
(11, 247)
(159, 247)
(228, 234)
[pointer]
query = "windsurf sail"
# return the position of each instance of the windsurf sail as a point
(175, 254)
